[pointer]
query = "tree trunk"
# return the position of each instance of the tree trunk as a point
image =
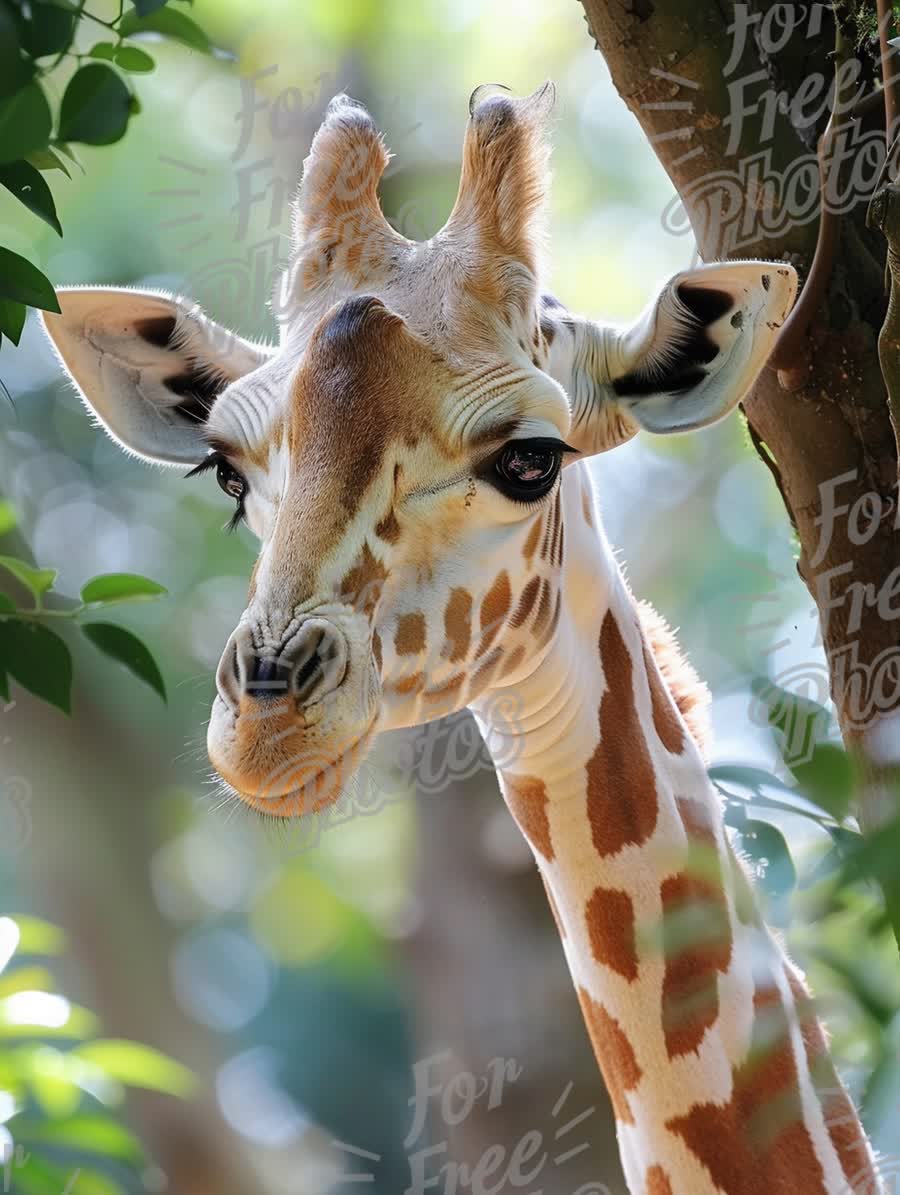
(821, 422)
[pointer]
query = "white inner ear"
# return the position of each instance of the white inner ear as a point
(148, 366)
(671, 380)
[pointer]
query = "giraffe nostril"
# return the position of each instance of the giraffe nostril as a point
(306, 675)
(267, 677)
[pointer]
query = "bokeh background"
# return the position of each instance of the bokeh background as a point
(307, 978)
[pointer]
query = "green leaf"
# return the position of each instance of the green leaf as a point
(38, 659)
(70, 154)
(130, 58)
(37, 936)
(15, 71)
(766, 846)
(120, 587)
(8, 516)
(48, 159)
(95, 106)
(746, 777)
(103, 49)
(122, 645)
(46, 29)
(24, 283)
(4, 684)
(26, 979)
(138, 1066)
(169, 23)
(28, 185)
(828, 779)
(145, 7)
(12, 318)
(91, 1133)
(25, 123)
(38, 580)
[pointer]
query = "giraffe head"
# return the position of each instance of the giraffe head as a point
(401, 454)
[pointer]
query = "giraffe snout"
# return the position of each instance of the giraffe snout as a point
(309, 666)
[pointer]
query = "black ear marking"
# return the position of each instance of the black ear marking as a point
(156, 330)
(707, 304)
(674, 381)
(694, 349)
(198, 390)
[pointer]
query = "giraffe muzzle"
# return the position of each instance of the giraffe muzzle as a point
(292, 720)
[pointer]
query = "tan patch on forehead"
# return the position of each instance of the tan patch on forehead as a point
(658, 1182)
(621, 1072)
(839, 1114)
(526, 797)
(758, 1143)
(610, 925)
(409, 639)
(363, 390)
(457, 625)
(622, 801)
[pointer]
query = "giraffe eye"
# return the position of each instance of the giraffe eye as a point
(230, 481)
(527, 469)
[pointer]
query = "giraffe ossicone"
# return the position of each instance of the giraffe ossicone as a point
(411, 456)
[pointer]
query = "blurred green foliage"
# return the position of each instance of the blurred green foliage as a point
(60, 1085)
(36, 38)
(37, 657)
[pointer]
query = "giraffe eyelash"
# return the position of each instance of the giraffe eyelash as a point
(223, 467)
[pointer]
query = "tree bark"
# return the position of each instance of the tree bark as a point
(822, 422)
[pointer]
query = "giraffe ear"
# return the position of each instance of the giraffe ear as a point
(148, 366)
(698, 349)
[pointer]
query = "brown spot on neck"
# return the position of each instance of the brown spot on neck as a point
(840, 1116)
(757, 1143)
(526, 603)
(610, 925)
(494, 609)
(526, 797)
(658, 1182)
(665, 716)
(531, 542)
(622, 802)
(620, 1068)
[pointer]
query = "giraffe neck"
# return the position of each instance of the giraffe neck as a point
(715, 1063)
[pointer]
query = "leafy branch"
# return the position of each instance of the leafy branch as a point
(38, 39)
(37, 657)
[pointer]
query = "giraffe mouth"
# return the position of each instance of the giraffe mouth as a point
(302, 786)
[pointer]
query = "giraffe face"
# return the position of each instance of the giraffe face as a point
(397, 499)
(400, 455)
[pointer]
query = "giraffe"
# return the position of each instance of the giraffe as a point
(412, 458)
